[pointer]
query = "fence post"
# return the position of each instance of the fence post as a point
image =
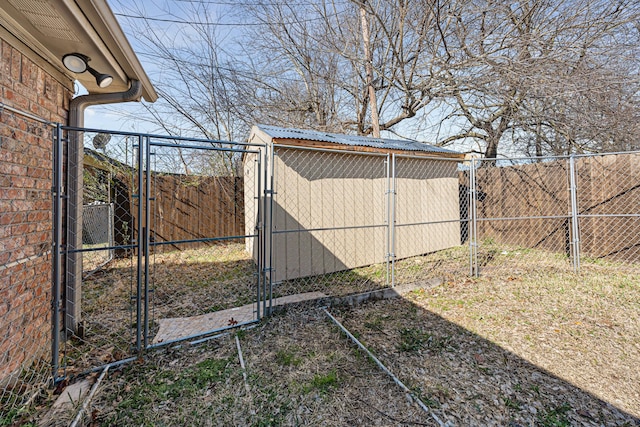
(140, 247)
(387, 219)
(269, 192)
(272, 192)
(575, 229)
(473, 235)
(259, 229)
(146, 235)
(393, 219)
(57, 249)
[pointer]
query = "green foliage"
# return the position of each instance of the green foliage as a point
(323, 383)
(556, 417)
(9, 417)
(287, 357)
(412, 340)
(168, 385)
(511, 403)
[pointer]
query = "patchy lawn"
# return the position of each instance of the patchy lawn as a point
(528, 344)
(532, 347)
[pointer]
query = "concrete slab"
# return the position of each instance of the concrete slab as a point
(183, 327)
(67, 404)
(72, 395)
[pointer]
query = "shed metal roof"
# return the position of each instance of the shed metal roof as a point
(353, 140)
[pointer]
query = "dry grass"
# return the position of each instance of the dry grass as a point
(528, 343)
(300, 371)
(185, 282)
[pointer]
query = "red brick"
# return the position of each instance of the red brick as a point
(25, 205)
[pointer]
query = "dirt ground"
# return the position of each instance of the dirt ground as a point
(525, 346)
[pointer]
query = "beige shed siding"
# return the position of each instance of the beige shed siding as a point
(326, 190)
(250, 201)
(317, 192)
(330, 209)
(426, 191)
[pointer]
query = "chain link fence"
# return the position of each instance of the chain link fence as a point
(163, 240)
(431, 207)
(98, 296)
(329, 222)
(608, 206)
(347, 222)
(199, 257)
(555, 213)
(522, 214)
(26, 218)
(97, 232)
(189, 229)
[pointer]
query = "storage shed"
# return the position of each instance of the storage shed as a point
(334, 202)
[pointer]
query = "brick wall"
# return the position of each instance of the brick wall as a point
(26, 206)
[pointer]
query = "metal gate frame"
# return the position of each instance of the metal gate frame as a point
(145, 144)
(263, 232)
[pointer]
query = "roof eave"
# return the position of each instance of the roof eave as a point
(105, 23)
(89, 27)
(325, 145)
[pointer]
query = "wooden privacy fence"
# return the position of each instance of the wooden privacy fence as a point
(526, 205)
(529, 205)
(184, 207)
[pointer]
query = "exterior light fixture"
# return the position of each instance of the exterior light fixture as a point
(79, 63)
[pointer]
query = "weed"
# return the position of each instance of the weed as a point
(432, 396)
(324, 382)
(511, 403)
(412, 340)
(167, 385)
(536, 389)
(556, 417)
(208, 371)
(287, 357)
(8, 418)
(489, 241)
(375, 324)
(439, 343)
(484, 370)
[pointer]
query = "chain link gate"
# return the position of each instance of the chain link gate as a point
(204, 227)
(178, 261)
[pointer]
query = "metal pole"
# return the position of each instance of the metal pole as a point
(383, 367)
(265, 230)
(147, 222)
(473, 234)
(57, 248)
(270, 231)
(388, 220)
(140, 250)
(259, 229)
(392, 255)
(575, 230)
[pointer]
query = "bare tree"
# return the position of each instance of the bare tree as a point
(537, 72)
(197, 86)
(321, 43)
(536, 76)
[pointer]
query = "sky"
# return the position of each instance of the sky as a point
(118, 116)
(166, 17)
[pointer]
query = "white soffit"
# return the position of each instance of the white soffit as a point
(53, 28)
